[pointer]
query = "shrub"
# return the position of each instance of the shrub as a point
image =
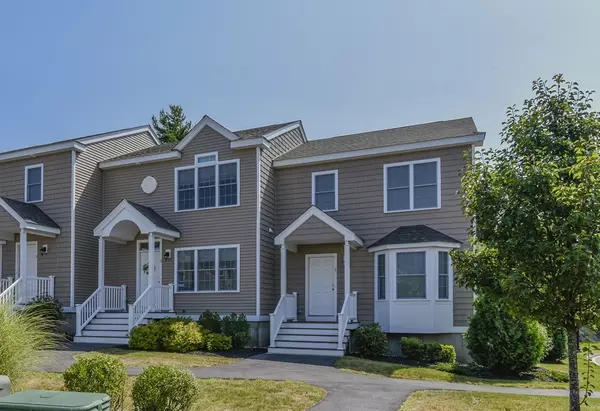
(146, 337)
(164, 388)
(428, 351)
(23, 337)
(412, 348)
(217, 342)
(559, 345)
(99, 373)
(370, 340)
(236, 327)
(210, 321)
(501, 342)
(182, 337)
(47, 307)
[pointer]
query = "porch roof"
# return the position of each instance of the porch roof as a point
(127, 218)
(30, 217)
(314, 226)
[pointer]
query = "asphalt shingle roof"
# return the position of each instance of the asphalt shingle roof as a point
(412, 234)
(153, 216)
(30, 212)
(159, 149)
(382, 138)
(260, 131)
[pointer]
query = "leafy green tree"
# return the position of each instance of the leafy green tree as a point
(535, 208)
(171, 127)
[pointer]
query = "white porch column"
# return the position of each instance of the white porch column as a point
(283, 270)
(151, 273)
(23, 254)
(101, 259)
(346, 268)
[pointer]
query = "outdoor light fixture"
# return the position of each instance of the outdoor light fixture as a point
(167, 255)
(44, 249)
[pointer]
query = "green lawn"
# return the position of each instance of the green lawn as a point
(217, 394)
(476, 401)
(134, 358)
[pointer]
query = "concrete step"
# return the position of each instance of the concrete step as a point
(305, 351)
(106, 327)
(116, 321)
(310, 331)
(113, 315)
(292, 324)
(102, 340)
(317, 338)
(307, 344)
(104, 333)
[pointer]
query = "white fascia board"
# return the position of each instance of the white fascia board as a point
(153, 158)
(282, 130)
(117, 134)
(251, 142)
(475, 139)
(41, 230)
(206, 121)
(41, 150)
(437, 244)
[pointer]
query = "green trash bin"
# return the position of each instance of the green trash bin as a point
(40, 400)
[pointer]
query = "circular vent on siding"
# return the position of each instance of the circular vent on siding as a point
(149, 185)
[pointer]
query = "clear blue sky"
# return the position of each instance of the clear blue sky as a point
(73, 68)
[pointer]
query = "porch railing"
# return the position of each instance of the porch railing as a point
(115, 297)
(163, 297)
(348, 314)
(25, 289)
(85, 312)
(11, 295)
(5, 283)
(140, 308)
(287, 309)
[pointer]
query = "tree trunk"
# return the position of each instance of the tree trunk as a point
(573, 371)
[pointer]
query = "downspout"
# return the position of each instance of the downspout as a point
(258, 215)
(72, 253)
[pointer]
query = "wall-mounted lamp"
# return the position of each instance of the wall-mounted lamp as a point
(167, 255)
(44, 249)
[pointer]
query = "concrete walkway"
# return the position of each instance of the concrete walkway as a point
(346, 391)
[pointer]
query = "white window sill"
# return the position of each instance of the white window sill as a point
(207, 208)
(407, 211)
(207, 292)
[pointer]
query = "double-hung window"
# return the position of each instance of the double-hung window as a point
(380, 275)
(208, 269)
(209, 183)
(443, 275)
(412, 185)
(411, 275)
(34, 183)
(325, 190)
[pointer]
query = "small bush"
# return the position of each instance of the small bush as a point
(145, 337)
(164, 388)
(182, 337)
(210, 321)
(428, 351)
(100, 373)
(412, 348)
(370, 340)
(236, 327)
(47, 307)
(559, 345)
(217, 342)
(501, 342)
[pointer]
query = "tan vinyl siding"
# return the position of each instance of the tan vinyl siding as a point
(268, 286)
(56, 204)
(219, 226)
(360, 188)
(88, 205)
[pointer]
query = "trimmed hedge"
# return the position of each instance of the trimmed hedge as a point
(183, 337)
(369, 340)
(217, 342)
(427, 351)
(238, 328)
(164, 388)
(210, 321)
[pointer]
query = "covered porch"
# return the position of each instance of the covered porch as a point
(125, 224)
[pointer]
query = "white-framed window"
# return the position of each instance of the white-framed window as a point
(411, 275)
(207, 269)
(325, 190)
(443, 275)
(209, 183)
(34, 183)
(413, 185)
(380, 276)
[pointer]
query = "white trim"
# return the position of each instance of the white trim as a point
(258, 221)
(411, 185)
(217, 163)
(313, 211)
(72, 244)
(138, 273)
(335, 187)
(376, 277)
(17, 255)
(307, 258)
(117, 134)
(282, 130)
(28, 226)
(209, 154)
(41, 150)
(476, 139)
(26, 194)
(205, 121)
(438, 244)
(450, 277)
(250, 318)
(152, 158)
(211, 247)
(259, 142)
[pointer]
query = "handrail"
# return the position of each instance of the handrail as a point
(141, 307)
(287, 309)
(347, 314)
(5, 283)
(115, 297)
(38, 287)
(163, 297)
(11, 296)
(85, 312)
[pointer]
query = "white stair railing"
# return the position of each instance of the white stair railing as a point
(5, 283)
(115, 297)
(12, 294)
(38, 287)
(347, 315)
(163, 297)
(85, 312)
(287, 309)
(142, 306)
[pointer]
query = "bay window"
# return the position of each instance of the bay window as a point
(411, 275)
(208, 269)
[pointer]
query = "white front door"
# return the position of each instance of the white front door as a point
(31, 260)
(143, 271)
(321, 287)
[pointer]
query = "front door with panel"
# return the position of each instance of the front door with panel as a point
(321, 288)
(143, 270)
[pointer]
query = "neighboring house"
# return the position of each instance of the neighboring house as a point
(306, 238)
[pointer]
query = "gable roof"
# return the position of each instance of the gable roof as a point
(159, 149)
(30, 217)
(414, 234)
(260, 131)
(419, 133)
(153, 216)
